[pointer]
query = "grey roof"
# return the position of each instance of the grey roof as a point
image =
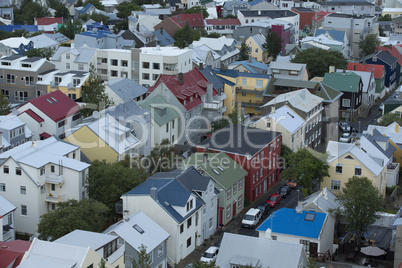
(273, 14)
(126, 89)
(386, 57)
(192, 180)
(348, 16)
(13, 57)
(32, 59)
(240, 140)
(211, 76)
(58, 37)
(345, 3)
(84, 54)
(85, 239)
(127, 110)
(241, 250)
(324, 199)
(378, 137)
(5, 206)
(152, 236)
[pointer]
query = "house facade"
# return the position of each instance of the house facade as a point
(72, 58)
(225, 47)
(379, 75)
(224, 27)
(7, 219)
(14, 132)
(390, 67)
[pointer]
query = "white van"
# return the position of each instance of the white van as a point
(251, 218)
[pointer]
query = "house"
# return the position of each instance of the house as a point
(287, 122)
(297, 71)
(43, 41)
(50, 114)
(174, 208)
(229, 178)
(14, 132)
(71, 58)
(12, 28)
(104, 139)
(7, 218)
(47, 24)
(158, 10)
(396, 54)
(123, 89)
(258, 52)
(348, 7)
(141, 36)
(256, 151)
(12, 252)
(18, 44)
(34, 179)
(326, 42)
(137, 230)
(351, 85)
(249, 66)
(379, 75)
(47, 253)
(390, 67)
(107, 246)
(163, 38)
(287, 4)
(261, 5)
(394, 12)
(203, 55)
(174, 23)
(231, 7)
(192, 95)
(309, 107)
(225, 47)
(239, 250)
(318, 19)
(20, 75)
(396, 25)
(113, 63)
(224, 27)
(100, 40)
(7, 13)
(306, 17)
(323, 201)
(314, 230)
(360, 158)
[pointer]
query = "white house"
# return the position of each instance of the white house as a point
(70, 58)
(225, 47)
(113, 63)
(7, 218)
(14, 132)
(37, 175)
(123, 89)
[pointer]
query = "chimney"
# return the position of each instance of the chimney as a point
(354, 137)
(205, 159)
(161, 30)
(259, 12)
(35, 144)
(201, 66)
(249, 58)
(210, 90)
(357, 143)
(268, 233)
(223, 67)
(153, 192)
(371, 131)
(344, 70)
(180, 78)
(396, 128)
(138, 27)
(319, 40)
(273, 109)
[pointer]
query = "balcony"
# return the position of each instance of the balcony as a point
(223, 109)
(54, 179)
(54, 84)
(220, 97)
(251, 103)
(55, 198)
(215, 105)
(117, 254)
(72, 85)
(8, 234)
(392, 174)
(257, 92)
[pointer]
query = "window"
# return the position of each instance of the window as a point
(156, 66)
(160, 250)
(18, 171)
(62, 123)
(182, 228)
(42, 171)
(172, 124)
(189, 222)
(124, 63)
(258, 83)
(244, 81)
(189, 205)
(67, 56)
(42, 189)
(229, 193)
(240, 184)
(114, 62)
(338, 169)
(235, 188)
(189, 242)
(335, 185)
(167, 126)
(114, 73)
(145, 76)
(10, 79)
(240, 201)
(210, 223)
(29, 80)
(155, 76)
(6, 169)
(346, 103)
(228, 211)
(306, 245)
(23, 190)
(52, 168)
(76, 82)
(358, 171)
(2, 187)
(80, 67)
(24, 210)
(68, 66)
(261, 172)
(145, 65)
(76, 117)
(53, 187)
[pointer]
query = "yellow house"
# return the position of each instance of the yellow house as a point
(393, 12)
(244, 89)
(104, 139)
(257, 52)
(361, 158)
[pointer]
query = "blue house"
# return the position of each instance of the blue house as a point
(12, 28)
(314, 230)
(100, 40)
(390, 66)
(164, 39)
(18, 44)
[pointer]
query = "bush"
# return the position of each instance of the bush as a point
(389, 190)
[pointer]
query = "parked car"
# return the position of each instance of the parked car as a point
(346, 137)
(345, 127)
(264, 208)
(210, 255)
(190, 265)
(274, 200)
(285, 190)
(292, 183)
(381, 107)
(251, 218)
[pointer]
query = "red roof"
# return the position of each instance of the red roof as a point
(12, 250)
(48, 21)
(34, 115)
(223, 22)
(56, 105)
(189, 94)
(194, 20)
(320, 15)
(377, 69)
(394, 52)
(45, 135)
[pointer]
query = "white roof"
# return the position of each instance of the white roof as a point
(5, 206)
(300, 99)
(46, 151)
(152, 236)
(200, 54)
(214, 43)
(323, 39)
(287, 66)
(391, 9)
(164, 51)
(243, 250)
(389, 131)
(10, 121)
(287, 118)
(15, 41)
(267, 23)
(16, 64)
(85, 239)
(41, 41)
(324, 199)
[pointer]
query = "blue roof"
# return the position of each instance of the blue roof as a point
(211, 76)
(251, 65)
(97, 34)
(234, 74)
(288, 221)
(12, 28)
(164, 38)
(86, 8)
(227, 82)
(98, 26)
(255, 2)
(337, 35)
(170, 193)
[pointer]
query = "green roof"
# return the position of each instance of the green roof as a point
(328, 93)
(163, 113)
(346, 82)
(231, 174)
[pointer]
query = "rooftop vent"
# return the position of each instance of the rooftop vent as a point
(49, 101)
(138, 229)
(214, 170)
(220, 168)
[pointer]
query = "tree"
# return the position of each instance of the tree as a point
(144, 258)
(122, 25)
(28, 11)
(369, 44)
(230, 17)
(389, 118)
(107, 182)
(185, 36)
(96, 17)
(95, 3)
(93, 94)
(387, 17)
(361, 201)
(102, 263)
(219, 124)
(244, 51)
(46, 52)
(70, 29)
(310, 262)
(162, 158)
(273, 44)
(198, 10)
(5, 107)
(79, 3)
(87, 214)
(62, 11)
(213, 35)
(124, 9)
(199, 264)
(307, 167)
(319, 60)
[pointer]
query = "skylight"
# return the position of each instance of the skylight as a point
(220, 168)
(138, 229)
(49, 101)
(214, 170)
(309, 217)
(53, 99)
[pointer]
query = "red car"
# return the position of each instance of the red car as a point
(292, 183)
(274, 200)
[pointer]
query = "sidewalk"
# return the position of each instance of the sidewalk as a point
(231, 227)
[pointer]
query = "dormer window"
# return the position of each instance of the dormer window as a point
(6, 63)
(191, 98)
(275, 71)
(293, 72)
(375, 58)
(189, 205)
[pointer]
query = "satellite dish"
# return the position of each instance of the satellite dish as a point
(299, 209)
(95, 114)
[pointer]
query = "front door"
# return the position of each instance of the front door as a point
(234, 208)
(313, 249)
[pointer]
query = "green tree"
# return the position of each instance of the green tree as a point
(52, 3)
(185, 36)
(5, 107)
(79, 3)
(28, 11)
(387, 17)
(235, 116)
(45, 52)
(87, 214)
(389, 118)
(219, 124)
(213, 35)
(107, 182)
(93, 94)
(70, 29)
(144, 258)
(244, 51)
(95, 3)
(96, 17)
(320, 67)
(199, 264)
(369, 44)
(62, 11)
(310, 262)
(230, 17)
(162, 157)
(124, 9)
(285, 152)
(307, 167)
(122, 25)
(273, 44)
(102, 263)
(361, 201)
(197, 10)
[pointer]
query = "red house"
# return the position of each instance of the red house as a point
(11, 252)
(172, 24)
(306, 16)
(255, 150)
